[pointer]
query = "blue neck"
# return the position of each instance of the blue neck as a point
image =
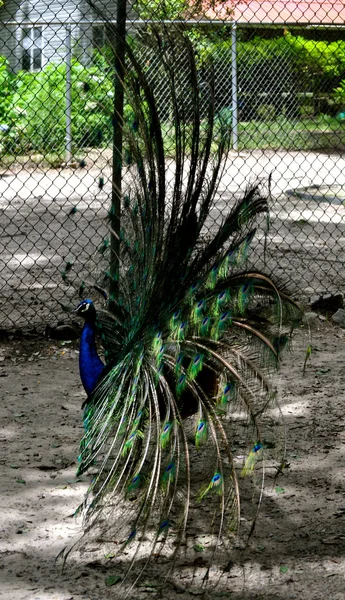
(90, 365)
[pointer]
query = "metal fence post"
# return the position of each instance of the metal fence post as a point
(68, 62)
(234, 86)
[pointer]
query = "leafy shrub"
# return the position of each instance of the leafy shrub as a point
(6, 87)
(271, 73)
(322, 62)
(317, 64)
(7, 114)
(40, 103)
(339, 93)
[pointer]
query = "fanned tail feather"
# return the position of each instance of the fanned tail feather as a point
(191, 331)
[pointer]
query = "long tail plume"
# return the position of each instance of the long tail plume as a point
(181, 412)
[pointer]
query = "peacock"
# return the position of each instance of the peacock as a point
(180, 409)
(90, 364)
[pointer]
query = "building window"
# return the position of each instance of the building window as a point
(32, 48)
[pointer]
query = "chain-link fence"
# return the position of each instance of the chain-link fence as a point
(279, 73)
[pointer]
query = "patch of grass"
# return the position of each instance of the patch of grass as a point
(46, 161)
(320, 133)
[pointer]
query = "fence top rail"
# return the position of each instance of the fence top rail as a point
(192, 22)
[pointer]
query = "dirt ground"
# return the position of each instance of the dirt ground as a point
(297, 550)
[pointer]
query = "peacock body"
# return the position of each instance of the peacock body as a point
(90, 364)
(180, 412)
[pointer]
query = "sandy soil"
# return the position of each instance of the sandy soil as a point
(297, 551)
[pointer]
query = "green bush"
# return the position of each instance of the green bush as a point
(317, 64)
(7, 114)
(6, 89)
(39, 101)
(33, 107)
(339, 93)
(271, 72)
(274, 71)
(322, 61)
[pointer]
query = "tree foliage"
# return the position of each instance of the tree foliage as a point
(33, 105)
(177, 9)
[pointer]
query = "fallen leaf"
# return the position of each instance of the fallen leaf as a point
(112, 580)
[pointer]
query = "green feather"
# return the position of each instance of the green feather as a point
(201, 433)
(195, 366)
(280, 342)
(244, 248)
(131, 537)
(244, 294)
(221, 324)
(175, 323)
(254, 455)
(157, 343)
(178, 364)
(169, 474)
(134, 484)
(198, 312)
(137, 419)
(205, 326)
(131, 441)
(166, 433)
(212, 278)
(215, 485)
(181, 384)
(181, 332)
(163, 527)
(222, 299)
(192, 291)
(227, 393)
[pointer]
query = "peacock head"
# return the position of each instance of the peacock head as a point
(86, 310)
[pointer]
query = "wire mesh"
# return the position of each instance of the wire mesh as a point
(279, 73)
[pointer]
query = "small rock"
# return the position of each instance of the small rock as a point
(339, 317)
